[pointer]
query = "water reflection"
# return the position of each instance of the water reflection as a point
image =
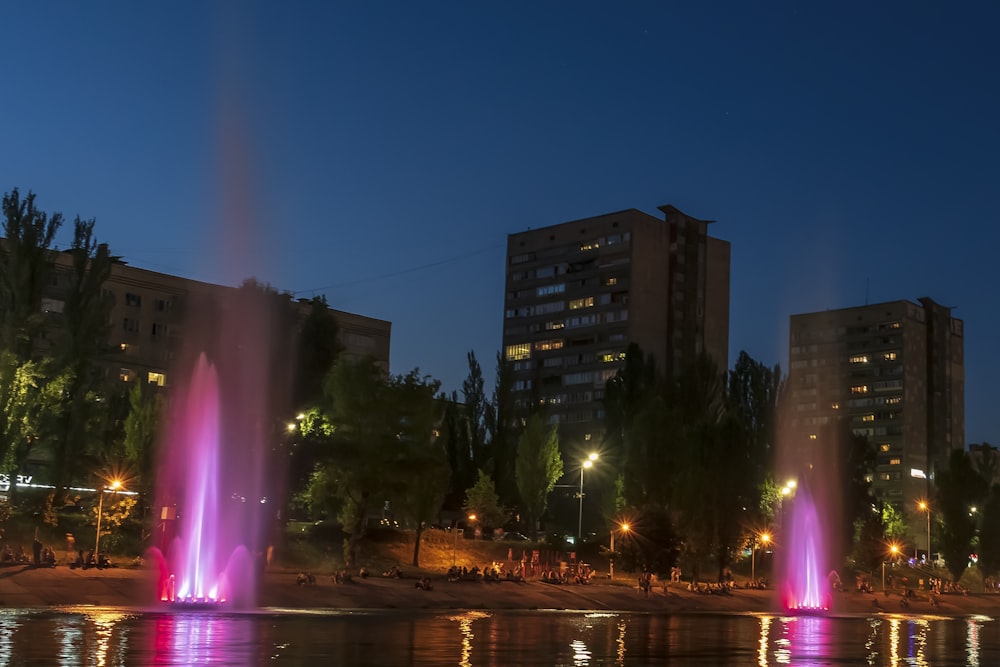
(972, 640)
(620, 643)
(9, 623)
(765, 631)
(119, 638)
(104, 627)
(465, 622)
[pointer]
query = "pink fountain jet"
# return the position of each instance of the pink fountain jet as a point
(206, 564)
(805, 587)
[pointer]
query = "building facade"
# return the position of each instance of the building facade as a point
(148, 319)
(578, 293)
(893, 373)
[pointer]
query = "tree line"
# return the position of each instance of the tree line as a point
(694, 454)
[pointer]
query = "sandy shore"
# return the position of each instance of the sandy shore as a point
(122, 587)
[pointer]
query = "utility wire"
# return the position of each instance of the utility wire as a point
(402, 272)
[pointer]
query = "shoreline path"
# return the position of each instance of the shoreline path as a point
(24, 586)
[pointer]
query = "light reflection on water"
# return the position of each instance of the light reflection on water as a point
(115, 637)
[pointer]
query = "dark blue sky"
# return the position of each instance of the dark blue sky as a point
(380, 152)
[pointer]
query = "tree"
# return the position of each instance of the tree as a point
(538, 467)
(25, 271)
(361, 439)
(318, 349)
(142, 426)
(989, 534)
(959, 487)
(639, 427)
(26, 399)
(87, 315)
(482, 500)
(474, 421)
(502, 428)
(420, 476)
(751, 401)
(708, 494)
(376, 441)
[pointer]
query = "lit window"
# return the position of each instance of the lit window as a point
(591, 245)
(835, 406)
(518, 351)
(884, 476)
(124, 347)
(586, 302)
(893, 400)
(159, 379)
(610, 281)
(868, 418)
(812, 436)
(554, 344)
(895, 462)
(553, 326)
(889, 356)
(859, 359)
(896, 325)
(859, 389)
(884, 447)
(126, 374)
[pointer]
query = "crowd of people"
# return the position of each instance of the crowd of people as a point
(42, 556)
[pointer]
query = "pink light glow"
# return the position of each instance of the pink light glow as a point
(805, 586)
(206, 561)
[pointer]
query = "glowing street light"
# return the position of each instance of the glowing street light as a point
(765, 538)
(611, 562)
(894, 552)
(925, 507)
(115, 486)
(587, 463)
(454, 548)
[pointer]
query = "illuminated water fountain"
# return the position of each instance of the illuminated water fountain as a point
(804, 587)
(207, 561)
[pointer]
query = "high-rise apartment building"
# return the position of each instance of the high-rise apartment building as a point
(578, 293)
(894, 373)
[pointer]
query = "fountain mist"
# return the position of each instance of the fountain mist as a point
(216, 479)
(804, 585)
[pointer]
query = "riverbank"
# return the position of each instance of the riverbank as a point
(22, 586)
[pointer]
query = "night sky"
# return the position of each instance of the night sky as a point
(380, 152)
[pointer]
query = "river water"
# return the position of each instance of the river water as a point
(112, 637)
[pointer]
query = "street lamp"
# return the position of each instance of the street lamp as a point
(611, 559)
(924, 507)
(115, 485)
(454, 547)
(765, 538)
(589, 462)
(894, 551)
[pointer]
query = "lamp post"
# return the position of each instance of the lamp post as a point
(589, 462)
(115, 485)
(925, 507)
(894, 551)
(454, 547)
(611, 559)
(765, 538)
